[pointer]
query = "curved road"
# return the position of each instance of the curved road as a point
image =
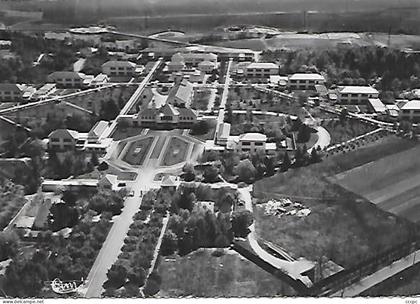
(324, 139)
(293, 269)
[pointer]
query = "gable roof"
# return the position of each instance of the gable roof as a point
(119, 63)
(11, 87)
(98, 129)
(67, 74)
(186, 112)
(184, 91)
(411, 105)
(262, 65)
(253, 137)
(168, 110)
(64, 133)
(307, 76)
(358, 90)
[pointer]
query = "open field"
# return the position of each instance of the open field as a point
(137, 151)
(342, 226)
(205, 275)
(176, 152)
(392, 183)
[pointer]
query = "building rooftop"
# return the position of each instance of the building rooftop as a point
(262, 65)
(67, 74)
(411, 105)
(377, 105)
(253, 137)
(307, 76)
(358, 90)
(64, 133)
(119, 63)
(10, 87)
(98, 129)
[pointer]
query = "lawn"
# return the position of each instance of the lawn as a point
(343, 131)
(343, 226)
(137, 151)
(205, 275)
(176, 152)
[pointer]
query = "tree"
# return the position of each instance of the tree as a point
(315, 157)
(8, 245)
(211, 174)
(200, 127)
(241, 220)
(117, 275)
(152, 287)
(286, 163)
(137, 276)
(169, 243)
(189, 172)
(246, 171)
(304, 134)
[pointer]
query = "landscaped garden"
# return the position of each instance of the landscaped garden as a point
(137, 151)
(176, 152)
(130, 271)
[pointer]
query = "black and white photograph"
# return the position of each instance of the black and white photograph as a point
(209, 149)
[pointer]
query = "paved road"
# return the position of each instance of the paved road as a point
(324, 139)
(293, 269)
(111, 248)
(223, 99)
(132, 101)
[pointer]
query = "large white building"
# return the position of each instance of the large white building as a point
(193, 59)
(305, 81)
(119, 68)
(167, 116)
(357, 94)
(69, 79)
(261, 70)
(411, 111)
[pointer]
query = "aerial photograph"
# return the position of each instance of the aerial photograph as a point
(157, 149)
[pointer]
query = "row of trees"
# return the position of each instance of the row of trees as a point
(130, 270)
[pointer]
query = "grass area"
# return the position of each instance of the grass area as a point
(205, 275)
(137, 151)
(343, 226)
(201, 99)
(176, 152)
(343, 131)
